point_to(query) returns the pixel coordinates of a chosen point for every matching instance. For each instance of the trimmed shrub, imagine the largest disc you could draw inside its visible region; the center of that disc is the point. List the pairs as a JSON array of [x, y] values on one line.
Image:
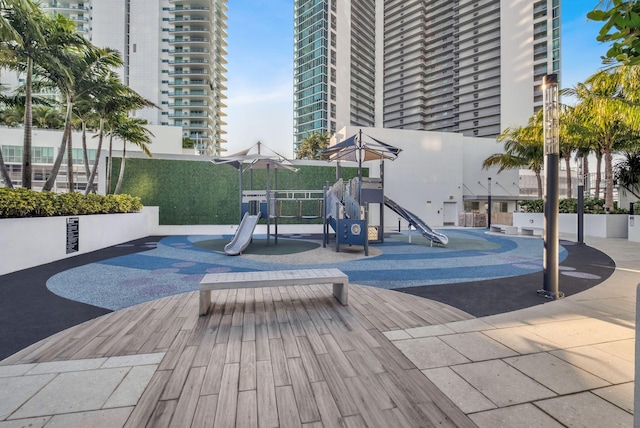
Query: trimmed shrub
[[569, 206], [19, 202]]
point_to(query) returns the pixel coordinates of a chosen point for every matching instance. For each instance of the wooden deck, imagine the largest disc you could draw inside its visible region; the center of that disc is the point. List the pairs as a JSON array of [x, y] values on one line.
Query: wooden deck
[[270, 357]]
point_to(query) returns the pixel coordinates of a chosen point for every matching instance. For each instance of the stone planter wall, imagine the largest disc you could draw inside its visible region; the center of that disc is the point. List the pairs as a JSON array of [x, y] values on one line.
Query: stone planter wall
[[597, 225], [28, 242]]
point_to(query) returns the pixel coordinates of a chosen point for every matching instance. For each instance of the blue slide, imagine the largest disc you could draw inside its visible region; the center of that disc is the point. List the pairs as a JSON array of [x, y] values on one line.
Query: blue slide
[[243, 235], [416, 222]]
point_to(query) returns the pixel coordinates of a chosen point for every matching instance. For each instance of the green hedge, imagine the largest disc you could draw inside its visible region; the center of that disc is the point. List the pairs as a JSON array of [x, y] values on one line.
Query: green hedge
[[20, 202], [569, 206], [199, 192]]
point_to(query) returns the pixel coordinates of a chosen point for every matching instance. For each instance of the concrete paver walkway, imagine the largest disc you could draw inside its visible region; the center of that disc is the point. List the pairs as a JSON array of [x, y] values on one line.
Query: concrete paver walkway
[[565, 363]]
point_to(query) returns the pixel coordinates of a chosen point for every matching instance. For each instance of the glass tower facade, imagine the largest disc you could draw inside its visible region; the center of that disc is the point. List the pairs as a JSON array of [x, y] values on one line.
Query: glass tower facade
[[311, 63]]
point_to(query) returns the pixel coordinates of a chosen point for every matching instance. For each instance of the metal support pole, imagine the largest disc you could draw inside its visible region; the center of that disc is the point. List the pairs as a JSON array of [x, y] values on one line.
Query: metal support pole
[[489, 204], [268, 197], [551, 203], [581, 159]]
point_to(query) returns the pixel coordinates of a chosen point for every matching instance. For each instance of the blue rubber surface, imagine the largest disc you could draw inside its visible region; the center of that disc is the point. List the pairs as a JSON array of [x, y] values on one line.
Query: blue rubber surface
[[177, 266]]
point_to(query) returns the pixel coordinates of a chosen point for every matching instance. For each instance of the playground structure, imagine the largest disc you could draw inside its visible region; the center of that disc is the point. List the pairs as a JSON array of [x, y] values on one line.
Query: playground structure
[[343, 207]]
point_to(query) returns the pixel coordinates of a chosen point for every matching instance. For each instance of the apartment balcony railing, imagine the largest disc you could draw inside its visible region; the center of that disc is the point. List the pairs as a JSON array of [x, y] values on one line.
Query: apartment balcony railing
[[191, 51], [187, 72], [189, 30], [187, 8], [190, 83], [198, 94], [189, 18], [189, 61], [187, 115], [59, 6], [190, 40], [190, 104]]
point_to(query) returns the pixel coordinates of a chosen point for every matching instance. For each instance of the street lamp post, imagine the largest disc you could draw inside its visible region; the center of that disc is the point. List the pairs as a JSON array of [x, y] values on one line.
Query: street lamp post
[[552, 155], [489, 203], [580, 159]]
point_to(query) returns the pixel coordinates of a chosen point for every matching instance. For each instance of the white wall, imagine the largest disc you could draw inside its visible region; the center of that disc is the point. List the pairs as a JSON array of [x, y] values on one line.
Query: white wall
[[165, 139], [34, 241], [598, 225], [434, 168], [516, 62]]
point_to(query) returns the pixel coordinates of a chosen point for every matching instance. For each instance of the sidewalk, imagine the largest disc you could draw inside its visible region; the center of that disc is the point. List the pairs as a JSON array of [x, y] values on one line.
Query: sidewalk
[[291, 356], [566, 363]]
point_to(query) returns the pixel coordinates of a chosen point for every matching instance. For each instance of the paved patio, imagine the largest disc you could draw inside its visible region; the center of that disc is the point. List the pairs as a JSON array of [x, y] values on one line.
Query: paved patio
[[294, 356]]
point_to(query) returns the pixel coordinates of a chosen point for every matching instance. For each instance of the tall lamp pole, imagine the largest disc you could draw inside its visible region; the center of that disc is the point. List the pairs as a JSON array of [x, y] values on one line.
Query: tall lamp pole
[[489, 203], [580, 159], [552, 155]]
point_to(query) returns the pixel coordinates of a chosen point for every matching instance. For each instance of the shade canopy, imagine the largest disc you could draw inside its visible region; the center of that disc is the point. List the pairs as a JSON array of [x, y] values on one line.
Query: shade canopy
[[257, 156], [361, 147]]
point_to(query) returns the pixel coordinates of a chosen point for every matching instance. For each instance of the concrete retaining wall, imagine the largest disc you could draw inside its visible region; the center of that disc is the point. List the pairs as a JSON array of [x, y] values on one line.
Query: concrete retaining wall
[[597, 225]]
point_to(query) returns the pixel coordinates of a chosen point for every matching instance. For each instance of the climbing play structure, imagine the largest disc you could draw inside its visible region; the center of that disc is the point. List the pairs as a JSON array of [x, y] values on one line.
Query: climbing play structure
[[345, 207]]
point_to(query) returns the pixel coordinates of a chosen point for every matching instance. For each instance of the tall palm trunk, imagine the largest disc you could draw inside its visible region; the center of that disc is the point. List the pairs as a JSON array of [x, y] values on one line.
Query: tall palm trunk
[[585, 172], [70, 153], [567, 163], [5, 172], [85, 152], [109, 164], [598, 173], [28, 125], [608, 178], [121, 174], [539, 181], [96, 161], [48, 185], [70, 162]]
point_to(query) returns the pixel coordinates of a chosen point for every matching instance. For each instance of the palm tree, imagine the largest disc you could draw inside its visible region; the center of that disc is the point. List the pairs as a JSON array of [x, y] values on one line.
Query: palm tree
[[111, 98], [312, 145], [25, 26], [608, 104], [75, 79], [627, 172], [131, 130], [7, 30], [523, 148], [131, 100], [83, 111], [47, 117]]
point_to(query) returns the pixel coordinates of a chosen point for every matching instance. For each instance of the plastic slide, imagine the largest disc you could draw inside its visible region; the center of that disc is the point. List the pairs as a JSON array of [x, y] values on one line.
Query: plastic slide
[[416, 222], [243, 235]]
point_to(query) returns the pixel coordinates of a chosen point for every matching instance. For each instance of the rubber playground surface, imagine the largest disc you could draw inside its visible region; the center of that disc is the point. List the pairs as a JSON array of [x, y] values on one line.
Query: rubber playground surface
[[478, 272]]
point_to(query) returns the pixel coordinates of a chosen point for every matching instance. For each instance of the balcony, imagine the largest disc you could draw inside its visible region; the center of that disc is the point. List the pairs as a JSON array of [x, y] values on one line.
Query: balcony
[[189, 19], [189, 61], [191, 51], [178, 9], [189, 30], [190, 94], [190, 104], [188, 72], [189, 40], [190, 83], [187, 115]]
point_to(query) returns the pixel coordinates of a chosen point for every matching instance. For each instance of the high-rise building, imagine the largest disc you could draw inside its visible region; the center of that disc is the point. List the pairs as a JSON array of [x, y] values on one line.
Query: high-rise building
[[468, 66], [174, 53]]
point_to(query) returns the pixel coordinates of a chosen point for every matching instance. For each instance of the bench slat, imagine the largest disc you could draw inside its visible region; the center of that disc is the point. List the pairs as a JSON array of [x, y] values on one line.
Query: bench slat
[[257, 279]]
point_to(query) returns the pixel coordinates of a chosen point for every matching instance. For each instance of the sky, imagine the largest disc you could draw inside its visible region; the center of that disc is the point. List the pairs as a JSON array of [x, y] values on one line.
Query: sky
[[260, 67]]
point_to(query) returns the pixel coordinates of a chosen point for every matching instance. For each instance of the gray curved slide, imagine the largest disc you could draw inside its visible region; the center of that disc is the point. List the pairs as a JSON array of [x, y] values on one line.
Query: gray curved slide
[[243, 235], [416, 222]]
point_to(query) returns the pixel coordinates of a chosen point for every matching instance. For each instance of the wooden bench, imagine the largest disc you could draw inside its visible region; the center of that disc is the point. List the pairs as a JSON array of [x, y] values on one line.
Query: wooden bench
[[502, 228], [222, 281], [533, 231]]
